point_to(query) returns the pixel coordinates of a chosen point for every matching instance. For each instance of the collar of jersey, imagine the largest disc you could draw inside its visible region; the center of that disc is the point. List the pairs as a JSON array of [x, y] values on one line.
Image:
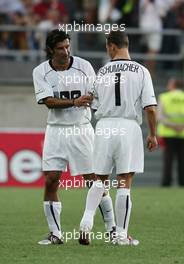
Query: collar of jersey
[[122, 60], [70, 65]]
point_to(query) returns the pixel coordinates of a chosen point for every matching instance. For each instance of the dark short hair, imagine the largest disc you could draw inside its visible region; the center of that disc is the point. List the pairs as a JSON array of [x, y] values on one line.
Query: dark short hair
[[53, 38], [119, 38]]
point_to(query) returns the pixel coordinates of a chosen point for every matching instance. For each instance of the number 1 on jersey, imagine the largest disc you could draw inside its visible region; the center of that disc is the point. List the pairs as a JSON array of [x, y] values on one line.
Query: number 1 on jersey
[[117, 89]]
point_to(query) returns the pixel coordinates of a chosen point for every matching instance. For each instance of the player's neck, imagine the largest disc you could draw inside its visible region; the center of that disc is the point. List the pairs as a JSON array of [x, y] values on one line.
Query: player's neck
[[122, 54], [58, 66]]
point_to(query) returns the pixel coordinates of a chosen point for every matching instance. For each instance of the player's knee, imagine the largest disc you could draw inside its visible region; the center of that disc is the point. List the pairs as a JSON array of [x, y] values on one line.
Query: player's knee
[[51, 181], [125, 180], [89, 177]]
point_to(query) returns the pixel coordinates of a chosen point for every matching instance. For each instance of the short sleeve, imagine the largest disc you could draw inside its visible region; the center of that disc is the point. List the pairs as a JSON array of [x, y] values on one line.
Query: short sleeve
[[42, 88], [148, 95]]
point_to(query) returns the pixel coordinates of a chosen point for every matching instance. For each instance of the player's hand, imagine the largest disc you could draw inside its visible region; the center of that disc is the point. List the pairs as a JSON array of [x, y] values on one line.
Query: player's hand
[[152, 143], [84, 100], [91, 95]]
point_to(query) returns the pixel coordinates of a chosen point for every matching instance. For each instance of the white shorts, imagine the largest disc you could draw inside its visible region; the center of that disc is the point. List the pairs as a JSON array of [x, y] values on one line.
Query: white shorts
[[71, 145], [119, 144], [154, 41]]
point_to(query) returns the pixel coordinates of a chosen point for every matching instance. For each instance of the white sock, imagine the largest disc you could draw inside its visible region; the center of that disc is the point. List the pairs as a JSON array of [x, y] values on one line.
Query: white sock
[[52, 212], [93, 199], [106, 208], [123, 207]]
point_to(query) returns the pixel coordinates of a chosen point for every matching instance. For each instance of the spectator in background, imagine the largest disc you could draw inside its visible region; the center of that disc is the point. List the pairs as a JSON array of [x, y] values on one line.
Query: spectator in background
[[73, 9], [180, 15], [10, 10], [171, 129], [170, 44], [53, 19], [4, 35], [150, 20], [42, 8], [108, 11], [31, 18], [119, 11], [90, 11], [9, 6], [4, 40], [89, 40], [129, 16], [130, 12], [19, 38]]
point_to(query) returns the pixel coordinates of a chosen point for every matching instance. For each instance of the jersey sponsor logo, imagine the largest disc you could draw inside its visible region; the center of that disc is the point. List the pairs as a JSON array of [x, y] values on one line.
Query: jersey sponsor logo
[[68, 94]]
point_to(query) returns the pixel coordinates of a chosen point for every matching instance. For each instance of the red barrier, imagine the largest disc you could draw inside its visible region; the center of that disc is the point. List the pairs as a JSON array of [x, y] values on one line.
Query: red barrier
[[20, 161]]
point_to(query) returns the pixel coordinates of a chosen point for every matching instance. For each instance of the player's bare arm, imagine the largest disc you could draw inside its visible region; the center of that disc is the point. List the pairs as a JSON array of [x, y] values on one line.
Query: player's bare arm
[[52, 102], [152, 143]]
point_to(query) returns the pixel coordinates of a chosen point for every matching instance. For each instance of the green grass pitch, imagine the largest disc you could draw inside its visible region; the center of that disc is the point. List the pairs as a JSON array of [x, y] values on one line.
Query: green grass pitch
[[157, 221]]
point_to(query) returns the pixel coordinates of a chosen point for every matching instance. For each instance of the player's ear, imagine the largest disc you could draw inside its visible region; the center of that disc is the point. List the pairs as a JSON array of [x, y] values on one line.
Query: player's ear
[[113, 47], [50, 50]]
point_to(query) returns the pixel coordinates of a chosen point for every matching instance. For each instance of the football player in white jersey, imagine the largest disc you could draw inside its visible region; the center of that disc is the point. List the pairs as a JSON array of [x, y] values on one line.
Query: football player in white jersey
[[62, 84], [122, 89]]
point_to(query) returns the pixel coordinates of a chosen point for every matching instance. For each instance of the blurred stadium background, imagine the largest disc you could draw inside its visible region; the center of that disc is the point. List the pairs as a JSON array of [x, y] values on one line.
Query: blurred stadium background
[[23, 27]]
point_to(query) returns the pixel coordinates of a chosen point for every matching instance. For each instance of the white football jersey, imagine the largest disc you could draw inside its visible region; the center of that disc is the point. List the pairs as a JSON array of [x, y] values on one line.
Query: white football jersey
[[76, 81], [122, 88]]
